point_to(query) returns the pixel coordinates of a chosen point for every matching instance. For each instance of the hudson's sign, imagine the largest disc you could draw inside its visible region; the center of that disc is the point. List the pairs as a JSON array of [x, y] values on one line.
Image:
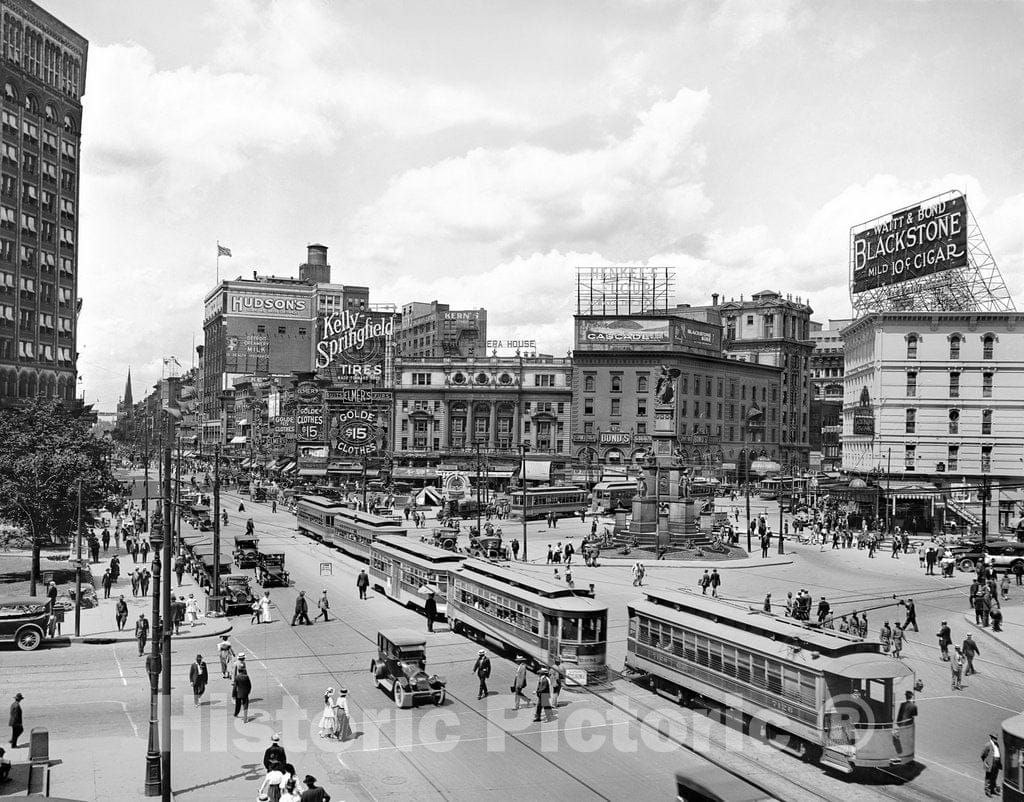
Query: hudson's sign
[[259, 305]]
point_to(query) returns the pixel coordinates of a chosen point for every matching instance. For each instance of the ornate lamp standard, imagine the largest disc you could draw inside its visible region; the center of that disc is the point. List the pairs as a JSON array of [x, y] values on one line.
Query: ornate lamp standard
[[154, 780]]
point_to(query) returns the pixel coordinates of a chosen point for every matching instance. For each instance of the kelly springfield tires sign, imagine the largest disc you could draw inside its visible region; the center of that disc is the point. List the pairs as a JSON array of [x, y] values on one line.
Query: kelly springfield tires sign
[[911, 243]]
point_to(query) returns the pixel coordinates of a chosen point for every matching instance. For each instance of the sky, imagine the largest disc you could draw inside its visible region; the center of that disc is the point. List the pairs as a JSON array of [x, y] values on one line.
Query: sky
[[477, 153]]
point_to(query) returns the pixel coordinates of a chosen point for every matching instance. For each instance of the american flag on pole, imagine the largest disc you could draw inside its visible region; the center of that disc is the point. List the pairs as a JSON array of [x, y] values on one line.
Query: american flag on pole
[[222, 251]]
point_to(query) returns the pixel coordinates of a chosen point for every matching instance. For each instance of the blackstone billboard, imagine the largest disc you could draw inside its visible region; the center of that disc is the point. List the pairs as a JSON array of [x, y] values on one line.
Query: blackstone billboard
[[910, 243]]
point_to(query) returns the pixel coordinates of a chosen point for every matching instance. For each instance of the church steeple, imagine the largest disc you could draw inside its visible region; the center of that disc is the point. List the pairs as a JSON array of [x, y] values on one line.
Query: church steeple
[[127, 401]]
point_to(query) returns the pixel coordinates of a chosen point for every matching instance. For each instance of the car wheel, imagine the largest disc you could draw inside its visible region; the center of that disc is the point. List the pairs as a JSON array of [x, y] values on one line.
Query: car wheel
[[399, 694], [966, 564], [439, 697], [29, 639]]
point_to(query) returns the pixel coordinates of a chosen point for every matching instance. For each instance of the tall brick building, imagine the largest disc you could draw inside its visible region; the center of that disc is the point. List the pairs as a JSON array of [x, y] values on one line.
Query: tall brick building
[[43, 75]]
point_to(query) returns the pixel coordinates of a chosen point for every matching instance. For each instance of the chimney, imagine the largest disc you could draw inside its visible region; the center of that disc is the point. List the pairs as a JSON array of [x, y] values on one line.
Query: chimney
[[714, 299], [315, 270]]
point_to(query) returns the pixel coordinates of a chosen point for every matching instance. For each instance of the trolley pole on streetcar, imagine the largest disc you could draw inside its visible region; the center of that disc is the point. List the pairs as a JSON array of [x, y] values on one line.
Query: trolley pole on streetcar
[[522, 475]]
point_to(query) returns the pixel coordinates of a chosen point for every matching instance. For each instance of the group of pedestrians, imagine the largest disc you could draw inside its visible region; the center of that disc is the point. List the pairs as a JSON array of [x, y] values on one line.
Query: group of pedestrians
[[281, 782], [550, 682]]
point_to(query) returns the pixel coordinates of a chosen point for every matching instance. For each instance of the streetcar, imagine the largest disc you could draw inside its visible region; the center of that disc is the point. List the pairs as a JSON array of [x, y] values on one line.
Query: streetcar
[[562, 501], [354, 531], [404, 569], [533, 617], [314, 517], [1013, 759], [607, 496], [813, 691], [715, 783]]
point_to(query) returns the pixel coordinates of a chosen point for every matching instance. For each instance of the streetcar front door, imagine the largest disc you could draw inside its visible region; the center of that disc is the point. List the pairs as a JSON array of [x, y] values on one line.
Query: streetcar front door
[[552, 636], [396, 581]]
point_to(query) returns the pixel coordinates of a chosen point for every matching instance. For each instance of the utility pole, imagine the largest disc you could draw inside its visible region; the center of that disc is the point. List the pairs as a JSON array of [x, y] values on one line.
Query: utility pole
[[215, 597], [78, 566], [165, 696], [522, 476], [477, 446], [984, 516], [145, 451]]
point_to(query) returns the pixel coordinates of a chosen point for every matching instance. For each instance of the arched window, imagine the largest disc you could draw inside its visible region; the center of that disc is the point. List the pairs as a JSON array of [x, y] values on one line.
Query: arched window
[[616, 384], [988, 343], [31, 105], [954, 421], [50, 112], [641, 384], [912, 346], [613, 456], [69, 123], [10, 93], [954, 346], [588, 384]]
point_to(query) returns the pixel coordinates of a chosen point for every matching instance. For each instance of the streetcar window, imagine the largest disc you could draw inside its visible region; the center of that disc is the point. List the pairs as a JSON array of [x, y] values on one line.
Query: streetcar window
[[1012, 768], [703, 658], [742, 666], [715, 653], [690, 647], [757, 676], [632, 626], [591, 630], [570, 629], [729, 660], [774, 677]]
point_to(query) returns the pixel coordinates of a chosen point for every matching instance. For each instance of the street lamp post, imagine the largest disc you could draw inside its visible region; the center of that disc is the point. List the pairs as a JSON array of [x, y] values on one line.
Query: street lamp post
[[523, 449], [476, 445], [78, 565], [154, 780]]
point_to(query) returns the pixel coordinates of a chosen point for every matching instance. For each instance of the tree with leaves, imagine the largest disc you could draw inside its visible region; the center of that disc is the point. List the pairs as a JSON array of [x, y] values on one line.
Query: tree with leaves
[[47, 452]]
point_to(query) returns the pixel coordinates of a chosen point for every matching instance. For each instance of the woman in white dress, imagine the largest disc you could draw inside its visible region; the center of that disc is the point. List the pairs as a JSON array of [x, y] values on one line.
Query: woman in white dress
[[328, 721], [192, 609], [265, 607], [343, 726]]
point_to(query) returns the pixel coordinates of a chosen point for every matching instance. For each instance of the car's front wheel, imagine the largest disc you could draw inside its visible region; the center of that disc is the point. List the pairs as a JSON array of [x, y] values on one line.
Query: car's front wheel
[[966, 564], [29, 639], [400, 695]]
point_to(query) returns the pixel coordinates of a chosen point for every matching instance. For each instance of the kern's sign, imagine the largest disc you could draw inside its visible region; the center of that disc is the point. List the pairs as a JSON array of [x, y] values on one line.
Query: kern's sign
[[911, 243]]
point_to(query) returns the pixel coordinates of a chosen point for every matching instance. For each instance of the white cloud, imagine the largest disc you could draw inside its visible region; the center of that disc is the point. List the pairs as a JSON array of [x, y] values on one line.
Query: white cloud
[[748, 22], [529, 197]]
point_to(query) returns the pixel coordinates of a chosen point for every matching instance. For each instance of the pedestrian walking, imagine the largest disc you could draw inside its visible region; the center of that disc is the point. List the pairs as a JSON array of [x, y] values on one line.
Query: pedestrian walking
[[328, 721], [273, 508], [704, 582], [551, 555], [265, 604], [198, 677], [885, 637], [257, 612], [911, 620], [515, 548], [568, 576], [519, 683], [945, 641], [105, 538], [907, 711], [144, 579], [241, 687], [106, 582], [362, 583], [992, 759], [145, 550], [301, 613], [142, 633], [997, 619], [179, 568], [192, 609], [544, 696], [134, 579], [270, 788], [897, 641], [768, 602], [1004, 586], [324, 606], [313, 792], [823, 609], [226, 653], [970, 651], [638, 574], [557, 681], [15, 720], [789, 605], [178, 607], [115, 569], [482, 669], [121, 613], [716, 581], [430, 609], [274, 753], [342, 720]]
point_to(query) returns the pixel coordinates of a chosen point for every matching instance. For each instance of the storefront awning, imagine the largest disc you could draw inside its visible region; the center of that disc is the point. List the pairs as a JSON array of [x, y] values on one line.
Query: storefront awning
[[238, 439], [312, 472], [288, 467], [539, 471]]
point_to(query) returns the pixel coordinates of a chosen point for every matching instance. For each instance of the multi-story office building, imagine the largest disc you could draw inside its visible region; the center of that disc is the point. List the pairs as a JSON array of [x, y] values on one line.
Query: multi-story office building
[[447, 409], [435, 331], [934, 400], [724, 411], [770, 329], [43, 75], [826, 407]]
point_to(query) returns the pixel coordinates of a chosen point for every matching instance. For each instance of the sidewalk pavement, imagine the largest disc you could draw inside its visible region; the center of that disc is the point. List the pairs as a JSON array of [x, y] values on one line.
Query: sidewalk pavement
[[98, 625]]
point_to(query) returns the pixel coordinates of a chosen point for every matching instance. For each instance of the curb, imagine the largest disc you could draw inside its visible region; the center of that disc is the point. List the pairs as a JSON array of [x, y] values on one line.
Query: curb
[[103, 640], [969, 618]]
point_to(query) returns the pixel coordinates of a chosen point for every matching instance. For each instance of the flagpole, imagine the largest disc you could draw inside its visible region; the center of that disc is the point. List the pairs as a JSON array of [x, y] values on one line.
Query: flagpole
[[218, 261]]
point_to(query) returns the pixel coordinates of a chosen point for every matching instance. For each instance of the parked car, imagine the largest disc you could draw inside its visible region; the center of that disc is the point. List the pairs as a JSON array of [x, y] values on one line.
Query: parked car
[[246, 553], [270, 570], [1008, 557], [968, 553], [236, 590], [400, 669], [23, 621]]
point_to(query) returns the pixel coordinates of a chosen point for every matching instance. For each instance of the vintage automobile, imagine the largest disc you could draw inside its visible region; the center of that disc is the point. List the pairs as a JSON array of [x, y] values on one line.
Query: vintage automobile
[[23, 621], [270, 571], [259, 493], [246, 553], [487, 547], [445, 538], [236, 590], [968, 553], [400, 668]]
